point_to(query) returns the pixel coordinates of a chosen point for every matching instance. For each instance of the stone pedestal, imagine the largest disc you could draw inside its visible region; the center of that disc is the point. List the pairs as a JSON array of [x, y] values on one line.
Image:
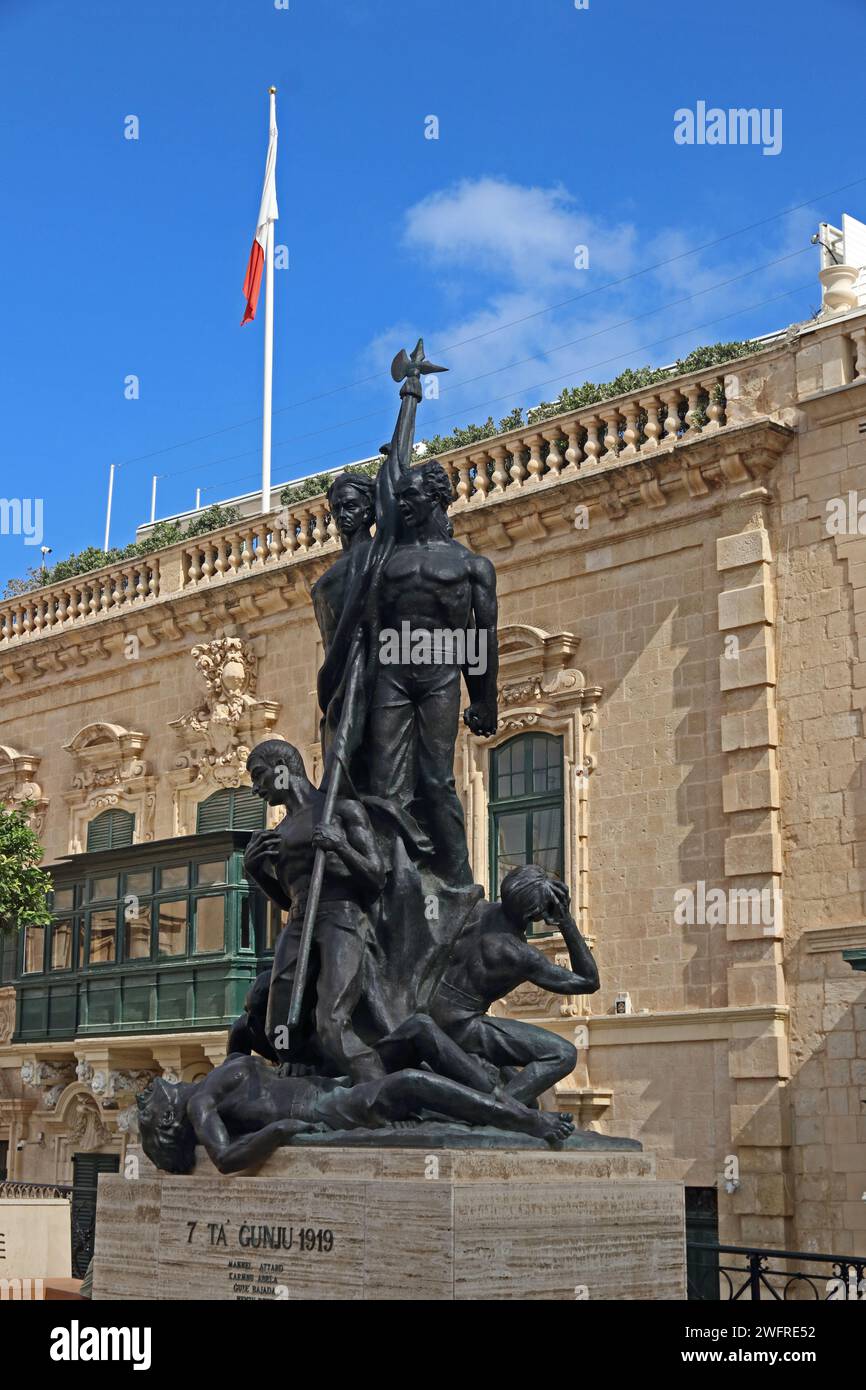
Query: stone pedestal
[[341, 1223]]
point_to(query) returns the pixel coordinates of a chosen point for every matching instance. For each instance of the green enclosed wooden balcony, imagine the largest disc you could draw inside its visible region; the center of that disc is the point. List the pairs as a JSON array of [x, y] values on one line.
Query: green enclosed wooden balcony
[[161, 937]]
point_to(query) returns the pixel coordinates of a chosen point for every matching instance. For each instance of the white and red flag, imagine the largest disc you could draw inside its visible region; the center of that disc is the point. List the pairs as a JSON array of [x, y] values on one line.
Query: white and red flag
[[268, 214]]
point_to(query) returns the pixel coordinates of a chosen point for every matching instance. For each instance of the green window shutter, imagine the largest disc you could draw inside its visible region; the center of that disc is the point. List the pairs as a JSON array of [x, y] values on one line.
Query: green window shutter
[[214, 813], [235, 808], [111, 830], [248, 810]]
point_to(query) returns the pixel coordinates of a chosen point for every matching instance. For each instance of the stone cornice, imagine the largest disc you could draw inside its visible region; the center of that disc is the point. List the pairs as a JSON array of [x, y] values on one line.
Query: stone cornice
[[848, 937], [685, 1025], [699, 470]]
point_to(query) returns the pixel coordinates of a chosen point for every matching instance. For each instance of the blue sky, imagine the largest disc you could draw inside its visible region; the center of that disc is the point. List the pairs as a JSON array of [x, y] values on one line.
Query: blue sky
[[556, 129]]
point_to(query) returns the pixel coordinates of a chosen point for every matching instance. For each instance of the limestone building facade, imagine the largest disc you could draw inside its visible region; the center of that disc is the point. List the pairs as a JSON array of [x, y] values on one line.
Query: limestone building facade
[[682, 581]]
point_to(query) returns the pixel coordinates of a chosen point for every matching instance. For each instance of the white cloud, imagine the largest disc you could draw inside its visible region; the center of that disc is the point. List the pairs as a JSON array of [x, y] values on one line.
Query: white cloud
[[527, 234], [504, 252]]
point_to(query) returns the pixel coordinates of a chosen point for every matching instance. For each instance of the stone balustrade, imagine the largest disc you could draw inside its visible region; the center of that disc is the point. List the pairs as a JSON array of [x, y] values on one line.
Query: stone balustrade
[[623, 428], [638, 426], [116, 588]]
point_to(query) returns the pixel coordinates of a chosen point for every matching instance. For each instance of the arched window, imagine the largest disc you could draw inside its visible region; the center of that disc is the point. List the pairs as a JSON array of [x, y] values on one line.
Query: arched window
[[526, 806], [111, 830], [234, 808]]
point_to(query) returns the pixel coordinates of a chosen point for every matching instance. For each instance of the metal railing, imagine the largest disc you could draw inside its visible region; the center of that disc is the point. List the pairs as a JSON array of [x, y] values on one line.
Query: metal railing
[[10, 1190], [755, 1275]]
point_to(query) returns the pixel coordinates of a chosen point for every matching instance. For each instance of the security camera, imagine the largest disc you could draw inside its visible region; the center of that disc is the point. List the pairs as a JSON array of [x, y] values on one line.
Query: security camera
[[19, 1146]]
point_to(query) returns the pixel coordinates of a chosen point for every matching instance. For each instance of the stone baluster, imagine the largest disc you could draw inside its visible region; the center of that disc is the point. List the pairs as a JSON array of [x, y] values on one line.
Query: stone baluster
[[592, 447], [116, 582], [498, 453], [573, 453], [130, 588], [194, 568], [333, 533], [464, 482], [94, 602], [630, 434], [60, 611], [288, 536], [451, 471], [41, 615], [320, 530], [610, 416], [858, 338], [233, 553], [536, 462], [651, 406], [304, 531], [262, 553], [248, 552], [482, 476], [5, 624], [28, 619], [274, 539], [715, 389], [207, 568], [83, 603], [671, 399], [693, 396], [554, 454], [153, 577], [141, 581], [517, 470]]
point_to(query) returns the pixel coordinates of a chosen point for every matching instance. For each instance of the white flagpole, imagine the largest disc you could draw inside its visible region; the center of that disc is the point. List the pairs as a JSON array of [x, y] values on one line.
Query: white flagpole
[[153, 499], [269, 340], [108, 508]]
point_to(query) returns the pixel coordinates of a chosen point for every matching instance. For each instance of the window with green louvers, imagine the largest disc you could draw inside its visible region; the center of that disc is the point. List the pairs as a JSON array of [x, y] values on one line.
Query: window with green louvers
[[111, 830], [234, 808]]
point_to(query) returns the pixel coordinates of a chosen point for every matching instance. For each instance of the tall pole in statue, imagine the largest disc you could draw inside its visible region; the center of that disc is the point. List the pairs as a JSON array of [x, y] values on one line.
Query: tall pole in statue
[[267, 404]]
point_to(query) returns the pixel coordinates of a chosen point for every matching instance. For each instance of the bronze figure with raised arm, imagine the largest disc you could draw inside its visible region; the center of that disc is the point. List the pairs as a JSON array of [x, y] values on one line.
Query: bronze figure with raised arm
[[491, 958]]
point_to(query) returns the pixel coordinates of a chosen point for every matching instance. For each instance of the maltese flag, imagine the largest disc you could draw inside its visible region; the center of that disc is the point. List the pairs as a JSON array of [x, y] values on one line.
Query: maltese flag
[[268, 214]]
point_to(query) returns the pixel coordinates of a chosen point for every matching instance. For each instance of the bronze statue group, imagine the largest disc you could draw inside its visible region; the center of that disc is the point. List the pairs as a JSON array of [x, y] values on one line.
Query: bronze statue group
[[375, 1012]]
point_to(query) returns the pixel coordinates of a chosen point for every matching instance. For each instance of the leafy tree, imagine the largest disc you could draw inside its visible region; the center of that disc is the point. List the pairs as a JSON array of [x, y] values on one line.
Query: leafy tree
[[23, 885]]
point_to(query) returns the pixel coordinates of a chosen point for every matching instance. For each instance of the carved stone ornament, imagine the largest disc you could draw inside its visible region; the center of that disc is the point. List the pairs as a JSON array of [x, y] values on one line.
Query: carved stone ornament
[[110, 773], [18, 785], [84, 1125], [106, 755], [219, 734]]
